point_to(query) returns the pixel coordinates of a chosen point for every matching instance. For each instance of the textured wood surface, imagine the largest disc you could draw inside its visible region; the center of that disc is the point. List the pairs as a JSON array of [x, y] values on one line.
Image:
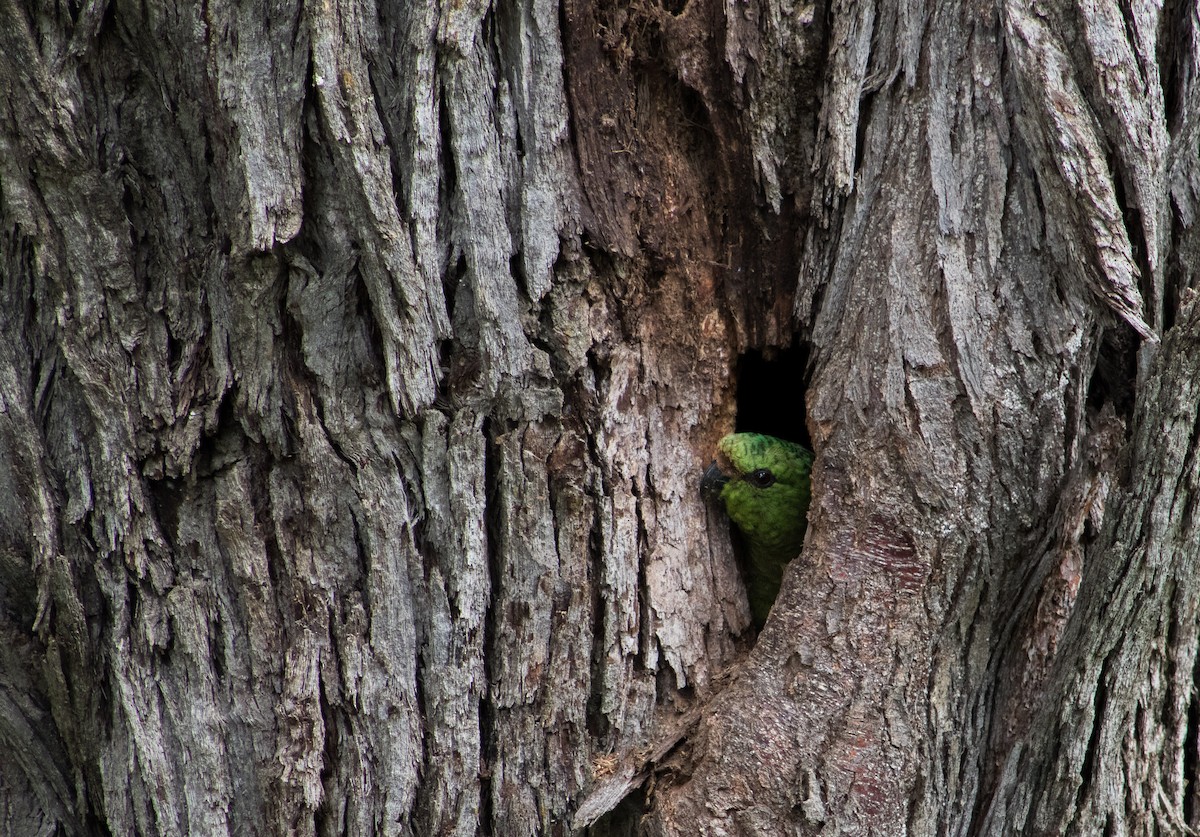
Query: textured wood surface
[[359, 361]]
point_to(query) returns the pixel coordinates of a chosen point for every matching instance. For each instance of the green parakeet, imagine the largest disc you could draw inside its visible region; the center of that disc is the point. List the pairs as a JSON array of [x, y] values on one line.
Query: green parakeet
[[763, 482]]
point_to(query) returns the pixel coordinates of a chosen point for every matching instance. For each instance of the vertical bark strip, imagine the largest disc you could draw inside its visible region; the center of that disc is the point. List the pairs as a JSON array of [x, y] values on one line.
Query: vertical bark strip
[[1113, 748]]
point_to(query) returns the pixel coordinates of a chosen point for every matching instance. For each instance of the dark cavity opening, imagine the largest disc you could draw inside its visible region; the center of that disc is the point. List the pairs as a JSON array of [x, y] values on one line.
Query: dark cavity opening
[[1115, 376], [1191, 753], [770, 393]]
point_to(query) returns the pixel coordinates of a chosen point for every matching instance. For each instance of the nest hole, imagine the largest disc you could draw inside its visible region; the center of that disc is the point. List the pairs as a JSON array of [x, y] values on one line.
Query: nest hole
[[770, 393]]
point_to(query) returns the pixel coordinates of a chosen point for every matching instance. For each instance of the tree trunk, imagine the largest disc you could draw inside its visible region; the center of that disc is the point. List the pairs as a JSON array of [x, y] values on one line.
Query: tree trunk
[[359, 363]]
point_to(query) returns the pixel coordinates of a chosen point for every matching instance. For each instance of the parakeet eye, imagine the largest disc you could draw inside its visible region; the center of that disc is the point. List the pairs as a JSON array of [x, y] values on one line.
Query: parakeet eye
[[762, 478]]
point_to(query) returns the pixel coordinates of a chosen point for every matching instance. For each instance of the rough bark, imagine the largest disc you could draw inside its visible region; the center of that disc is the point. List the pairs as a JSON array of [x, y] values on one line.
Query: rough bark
[[1114, 748], [969, 236], [358, 363], [352, 485]]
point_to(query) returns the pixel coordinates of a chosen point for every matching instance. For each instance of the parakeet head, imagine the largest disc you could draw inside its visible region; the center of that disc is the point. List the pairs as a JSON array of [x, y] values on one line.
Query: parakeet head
[[763, 482]]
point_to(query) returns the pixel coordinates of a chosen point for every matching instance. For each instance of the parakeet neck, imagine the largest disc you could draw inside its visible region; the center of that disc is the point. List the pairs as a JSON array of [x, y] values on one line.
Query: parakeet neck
[[768, 560]]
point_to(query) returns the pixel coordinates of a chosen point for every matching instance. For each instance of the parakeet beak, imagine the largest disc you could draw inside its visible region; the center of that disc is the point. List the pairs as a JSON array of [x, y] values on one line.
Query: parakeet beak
[[713, 480]]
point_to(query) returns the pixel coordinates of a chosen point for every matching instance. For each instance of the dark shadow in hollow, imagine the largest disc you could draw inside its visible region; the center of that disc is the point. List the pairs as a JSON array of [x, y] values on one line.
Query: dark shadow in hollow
[[770, 393]]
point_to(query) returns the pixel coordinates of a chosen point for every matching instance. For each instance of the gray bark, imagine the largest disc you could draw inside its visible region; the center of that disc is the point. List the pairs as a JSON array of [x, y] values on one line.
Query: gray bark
[[970, 242], [1114, 748], [358, 363]]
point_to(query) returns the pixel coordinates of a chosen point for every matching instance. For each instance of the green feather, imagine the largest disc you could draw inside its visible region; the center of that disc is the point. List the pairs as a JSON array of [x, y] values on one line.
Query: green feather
[[764, 486]]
